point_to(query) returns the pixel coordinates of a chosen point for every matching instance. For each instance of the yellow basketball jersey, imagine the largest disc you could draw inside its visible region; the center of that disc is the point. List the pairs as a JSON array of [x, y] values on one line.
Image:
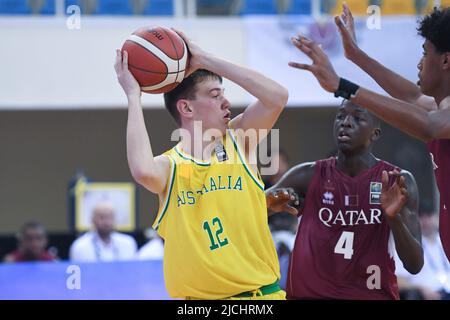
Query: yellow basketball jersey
[[214, 223]]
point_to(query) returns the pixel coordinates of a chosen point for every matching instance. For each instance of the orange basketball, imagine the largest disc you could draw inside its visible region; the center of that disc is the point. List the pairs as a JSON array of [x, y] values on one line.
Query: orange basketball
[[157, 58]]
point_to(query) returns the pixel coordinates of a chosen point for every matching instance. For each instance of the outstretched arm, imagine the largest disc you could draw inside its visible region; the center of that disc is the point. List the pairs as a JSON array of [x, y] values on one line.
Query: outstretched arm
[[408, 117], [400, 203], [149, 171], [394, 84], [286, 192]]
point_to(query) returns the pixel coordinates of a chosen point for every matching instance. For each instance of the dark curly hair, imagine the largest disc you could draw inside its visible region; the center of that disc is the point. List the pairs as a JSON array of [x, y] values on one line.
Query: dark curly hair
[[435, 27], [186, 90]]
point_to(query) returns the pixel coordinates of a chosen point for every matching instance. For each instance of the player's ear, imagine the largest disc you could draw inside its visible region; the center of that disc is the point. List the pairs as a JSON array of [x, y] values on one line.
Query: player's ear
[[376, 134], [184, 108], [446, 61]]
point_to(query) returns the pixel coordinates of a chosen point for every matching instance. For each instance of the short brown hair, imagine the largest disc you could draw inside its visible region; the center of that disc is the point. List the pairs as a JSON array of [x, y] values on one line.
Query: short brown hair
[[187, 90]]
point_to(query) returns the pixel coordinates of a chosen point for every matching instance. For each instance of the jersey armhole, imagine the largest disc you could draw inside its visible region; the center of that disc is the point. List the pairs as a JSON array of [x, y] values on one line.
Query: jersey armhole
[[255, 177], [167, 193]]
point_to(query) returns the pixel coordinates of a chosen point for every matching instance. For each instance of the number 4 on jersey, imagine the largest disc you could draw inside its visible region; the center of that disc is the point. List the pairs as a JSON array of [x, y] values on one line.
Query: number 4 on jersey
[[345, 245]]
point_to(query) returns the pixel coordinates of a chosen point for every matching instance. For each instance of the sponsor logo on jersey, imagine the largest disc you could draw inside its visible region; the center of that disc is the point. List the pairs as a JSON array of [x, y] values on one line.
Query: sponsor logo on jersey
[[375, 192], [221, 154], [328, 198]]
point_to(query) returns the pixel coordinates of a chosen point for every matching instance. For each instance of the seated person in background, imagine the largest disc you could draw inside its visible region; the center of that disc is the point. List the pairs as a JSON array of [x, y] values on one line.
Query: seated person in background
[[433, 282], [283, 227], [32, 240], [103, 243], [278, 160], [153, 249]]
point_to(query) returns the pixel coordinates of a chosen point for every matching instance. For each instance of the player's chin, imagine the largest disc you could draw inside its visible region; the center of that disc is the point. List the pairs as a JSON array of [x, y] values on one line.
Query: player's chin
[[424, 88], [344, 145]]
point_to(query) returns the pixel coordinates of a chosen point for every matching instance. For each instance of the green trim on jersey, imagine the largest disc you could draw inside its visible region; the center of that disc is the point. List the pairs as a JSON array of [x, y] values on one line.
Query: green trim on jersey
[[258, 183], [166, 204], [190, 158]]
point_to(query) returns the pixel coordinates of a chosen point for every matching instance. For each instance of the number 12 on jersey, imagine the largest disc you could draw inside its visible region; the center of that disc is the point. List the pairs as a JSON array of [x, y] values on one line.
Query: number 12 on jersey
[[216, 241], [345, 245]]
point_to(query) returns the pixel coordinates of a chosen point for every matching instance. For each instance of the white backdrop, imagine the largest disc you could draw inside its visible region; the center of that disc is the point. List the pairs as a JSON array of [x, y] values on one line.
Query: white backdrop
[[396, 45], [44, 65]]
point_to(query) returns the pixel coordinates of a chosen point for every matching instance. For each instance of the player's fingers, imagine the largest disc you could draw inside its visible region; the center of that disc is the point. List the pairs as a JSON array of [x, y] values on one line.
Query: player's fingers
[[394, 172], [182, 35], [341, 26], [349, 12], [345, 9], [118, 63], [306, 47], [294, 196], [290, 210], [402, 181], [301, 66], [384, 180], [125, 60], [404, 192]]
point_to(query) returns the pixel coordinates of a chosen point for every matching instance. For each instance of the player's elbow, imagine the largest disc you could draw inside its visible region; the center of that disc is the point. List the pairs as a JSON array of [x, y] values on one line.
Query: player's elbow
[[415, 269], [147, 179], [283, 97], [416, 266]]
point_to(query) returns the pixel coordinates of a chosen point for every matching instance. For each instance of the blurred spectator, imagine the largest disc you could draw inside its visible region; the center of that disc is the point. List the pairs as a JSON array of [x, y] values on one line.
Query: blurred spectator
[[281, 161], [433, 281], [153, 249], [32, 242], [103, 243], [283, 225]]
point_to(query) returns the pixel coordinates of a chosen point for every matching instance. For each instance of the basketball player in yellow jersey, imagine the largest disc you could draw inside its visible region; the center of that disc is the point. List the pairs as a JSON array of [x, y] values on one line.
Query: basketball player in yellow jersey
[[212, 215]]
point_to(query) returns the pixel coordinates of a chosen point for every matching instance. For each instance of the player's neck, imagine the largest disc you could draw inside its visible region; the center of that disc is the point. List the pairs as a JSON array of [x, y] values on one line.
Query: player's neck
[[198, 148], [355, 164], [442, 97]]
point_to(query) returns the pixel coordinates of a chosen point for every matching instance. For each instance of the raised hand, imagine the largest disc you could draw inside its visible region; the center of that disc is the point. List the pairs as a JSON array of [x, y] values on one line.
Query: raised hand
[[126, 79], [393, 198], [321, 67], [346, 27], [196, 53], [280, 200]]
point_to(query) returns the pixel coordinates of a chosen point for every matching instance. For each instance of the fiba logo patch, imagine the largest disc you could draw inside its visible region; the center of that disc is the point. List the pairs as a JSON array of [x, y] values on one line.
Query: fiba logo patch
[[220, 152], [328, 198], [375, 192]]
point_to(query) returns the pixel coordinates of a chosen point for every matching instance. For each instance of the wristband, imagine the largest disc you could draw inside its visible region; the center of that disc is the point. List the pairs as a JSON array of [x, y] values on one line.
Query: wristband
[[346, 89]]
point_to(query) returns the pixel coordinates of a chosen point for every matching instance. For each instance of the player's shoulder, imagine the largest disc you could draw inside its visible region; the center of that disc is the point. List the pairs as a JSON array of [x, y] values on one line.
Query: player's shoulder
[[303, 167], [390, 167]]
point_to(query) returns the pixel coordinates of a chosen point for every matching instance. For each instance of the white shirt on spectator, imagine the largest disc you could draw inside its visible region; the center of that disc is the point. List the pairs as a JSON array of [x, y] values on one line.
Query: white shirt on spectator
[[152, 250], [89, 248], [435, 273]]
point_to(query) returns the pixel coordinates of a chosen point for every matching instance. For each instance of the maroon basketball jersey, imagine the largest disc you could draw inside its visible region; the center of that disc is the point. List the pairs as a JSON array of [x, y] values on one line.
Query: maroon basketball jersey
[[344, 248], [440, 155]]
